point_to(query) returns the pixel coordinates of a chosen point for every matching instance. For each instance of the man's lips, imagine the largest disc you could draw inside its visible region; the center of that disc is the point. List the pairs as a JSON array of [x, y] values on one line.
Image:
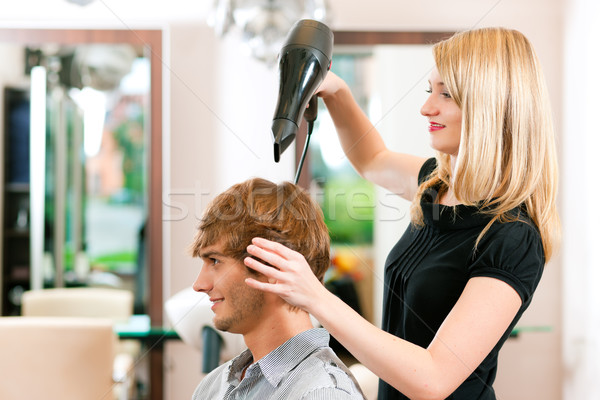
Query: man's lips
[[434, 126], [215, 302]]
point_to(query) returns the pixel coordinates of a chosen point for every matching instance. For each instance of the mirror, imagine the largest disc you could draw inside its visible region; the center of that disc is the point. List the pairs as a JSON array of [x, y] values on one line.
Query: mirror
[[387, 73], [82, 173]]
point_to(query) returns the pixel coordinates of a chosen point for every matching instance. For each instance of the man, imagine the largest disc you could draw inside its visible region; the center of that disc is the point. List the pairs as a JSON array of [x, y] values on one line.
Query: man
[[286, 358]]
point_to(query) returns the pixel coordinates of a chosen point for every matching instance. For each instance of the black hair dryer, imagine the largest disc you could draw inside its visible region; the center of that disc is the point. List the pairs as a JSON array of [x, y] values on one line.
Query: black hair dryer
[[304, 61]]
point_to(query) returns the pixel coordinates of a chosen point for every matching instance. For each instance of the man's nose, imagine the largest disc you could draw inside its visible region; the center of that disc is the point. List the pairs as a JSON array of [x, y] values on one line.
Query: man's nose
[[203, 282]]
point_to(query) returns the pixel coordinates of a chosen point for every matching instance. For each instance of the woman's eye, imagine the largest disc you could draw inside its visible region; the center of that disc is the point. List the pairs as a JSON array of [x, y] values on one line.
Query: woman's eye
[[428, 91], [446, 95]]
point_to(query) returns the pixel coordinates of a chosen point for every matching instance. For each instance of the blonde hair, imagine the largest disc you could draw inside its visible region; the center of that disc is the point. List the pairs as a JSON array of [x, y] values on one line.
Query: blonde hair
[[507, 154]]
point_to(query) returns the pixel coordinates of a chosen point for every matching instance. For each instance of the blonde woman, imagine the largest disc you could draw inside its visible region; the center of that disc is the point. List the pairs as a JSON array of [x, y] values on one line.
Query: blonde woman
[[484, 222]]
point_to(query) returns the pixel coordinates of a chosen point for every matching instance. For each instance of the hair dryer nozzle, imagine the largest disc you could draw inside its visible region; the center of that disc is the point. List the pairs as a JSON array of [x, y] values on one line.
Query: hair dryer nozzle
[[284, 132]]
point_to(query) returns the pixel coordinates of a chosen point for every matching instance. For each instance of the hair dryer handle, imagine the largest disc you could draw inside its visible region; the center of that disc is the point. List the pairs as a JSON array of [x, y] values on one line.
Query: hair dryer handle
[[310, 115]]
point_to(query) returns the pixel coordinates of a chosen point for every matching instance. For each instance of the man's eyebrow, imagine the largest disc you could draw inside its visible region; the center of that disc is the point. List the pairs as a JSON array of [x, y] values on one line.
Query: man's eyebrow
[[211, 253]]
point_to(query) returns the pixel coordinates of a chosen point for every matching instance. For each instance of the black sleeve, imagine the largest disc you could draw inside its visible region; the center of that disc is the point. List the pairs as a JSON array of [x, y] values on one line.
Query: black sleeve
[[428, 167], [512, 252]]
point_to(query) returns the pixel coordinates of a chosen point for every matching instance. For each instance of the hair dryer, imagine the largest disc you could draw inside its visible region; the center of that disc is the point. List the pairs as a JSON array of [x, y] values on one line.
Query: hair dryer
[[304, 61]]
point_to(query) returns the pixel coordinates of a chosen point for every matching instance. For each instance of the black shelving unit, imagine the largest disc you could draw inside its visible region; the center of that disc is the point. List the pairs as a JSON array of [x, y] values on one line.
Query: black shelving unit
[[15, 229]]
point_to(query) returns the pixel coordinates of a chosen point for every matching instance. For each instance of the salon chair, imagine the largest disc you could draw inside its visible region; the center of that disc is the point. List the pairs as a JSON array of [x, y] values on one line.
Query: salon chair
[[56, 358], [114, 305]]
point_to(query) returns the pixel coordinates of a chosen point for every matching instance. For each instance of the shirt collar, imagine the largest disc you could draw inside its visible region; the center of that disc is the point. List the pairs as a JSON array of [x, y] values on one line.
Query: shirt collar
[[279, 362], [234, 372]]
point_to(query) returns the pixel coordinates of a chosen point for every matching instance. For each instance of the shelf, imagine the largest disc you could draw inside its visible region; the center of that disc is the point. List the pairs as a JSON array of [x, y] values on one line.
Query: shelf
[[19, 273], [517, 330], [17, 282], [17, 188], [16, 233]]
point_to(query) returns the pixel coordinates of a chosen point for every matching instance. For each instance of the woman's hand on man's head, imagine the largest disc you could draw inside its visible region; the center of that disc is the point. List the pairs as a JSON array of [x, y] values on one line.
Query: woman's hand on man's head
[[292, 278]]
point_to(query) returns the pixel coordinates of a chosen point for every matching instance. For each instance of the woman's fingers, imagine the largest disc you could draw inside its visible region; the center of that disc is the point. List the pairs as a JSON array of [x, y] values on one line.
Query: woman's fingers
[[274, 253], [274, 247], [259, 267], [288, 273], [266, 287], [266, 256]]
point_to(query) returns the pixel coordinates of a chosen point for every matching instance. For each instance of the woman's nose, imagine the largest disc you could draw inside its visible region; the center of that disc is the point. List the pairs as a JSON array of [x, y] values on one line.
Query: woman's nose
[[429, 108]]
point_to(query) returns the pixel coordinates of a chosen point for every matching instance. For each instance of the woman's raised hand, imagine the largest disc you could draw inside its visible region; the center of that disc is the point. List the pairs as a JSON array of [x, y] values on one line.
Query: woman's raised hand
[[330, 85], [292, 278]]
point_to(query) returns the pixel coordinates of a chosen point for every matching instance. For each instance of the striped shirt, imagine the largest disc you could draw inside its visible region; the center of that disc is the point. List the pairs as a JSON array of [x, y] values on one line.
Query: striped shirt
[[303, 368]]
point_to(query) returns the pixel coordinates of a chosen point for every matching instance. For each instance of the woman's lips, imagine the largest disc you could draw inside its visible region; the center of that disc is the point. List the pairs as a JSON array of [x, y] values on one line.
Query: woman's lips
[[434, 126]]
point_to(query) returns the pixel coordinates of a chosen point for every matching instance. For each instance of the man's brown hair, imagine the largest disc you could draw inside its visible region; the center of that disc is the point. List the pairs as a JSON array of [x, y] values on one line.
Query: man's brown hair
[[283, 213]]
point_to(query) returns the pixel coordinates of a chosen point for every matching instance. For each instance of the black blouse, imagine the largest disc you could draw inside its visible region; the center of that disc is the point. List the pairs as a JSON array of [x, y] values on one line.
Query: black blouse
[[427, 270]]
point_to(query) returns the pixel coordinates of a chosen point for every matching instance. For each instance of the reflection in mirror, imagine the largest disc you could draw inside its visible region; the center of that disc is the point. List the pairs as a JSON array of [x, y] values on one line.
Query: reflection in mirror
[[87, 183], [388, 82]]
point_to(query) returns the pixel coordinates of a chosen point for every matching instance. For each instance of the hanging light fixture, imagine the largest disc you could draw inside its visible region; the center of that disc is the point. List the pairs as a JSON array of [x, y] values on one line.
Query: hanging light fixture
[[264, 24], [80, 2]]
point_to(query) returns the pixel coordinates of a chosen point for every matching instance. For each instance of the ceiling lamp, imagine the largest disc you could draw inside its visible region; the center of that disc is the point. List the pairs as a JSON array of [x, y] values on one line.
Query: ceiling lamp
[[264, 24], [80, 2]]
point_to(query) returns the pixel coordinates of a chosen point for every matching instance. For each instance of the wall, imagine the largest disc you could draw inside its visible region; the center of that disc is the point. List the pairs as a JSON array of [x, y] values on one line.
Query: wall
[[581, 301]]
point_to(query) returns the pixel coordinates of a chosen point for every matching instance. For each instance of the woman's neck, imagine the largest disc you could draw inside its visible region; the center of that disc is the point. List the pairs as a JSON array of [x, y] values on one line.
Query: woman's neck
[[448, 198]]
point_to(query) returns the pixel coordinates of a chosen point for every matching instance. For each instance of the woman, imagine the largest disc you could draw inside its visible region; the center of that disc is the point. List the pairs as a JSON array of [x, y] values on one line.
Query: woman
[[483, 222]]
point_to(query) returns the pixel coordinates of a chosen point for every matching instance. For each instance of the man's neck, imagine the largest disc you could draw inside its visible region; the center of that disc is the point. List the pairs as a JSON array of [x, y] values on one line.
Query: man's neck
[[276, 330]]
